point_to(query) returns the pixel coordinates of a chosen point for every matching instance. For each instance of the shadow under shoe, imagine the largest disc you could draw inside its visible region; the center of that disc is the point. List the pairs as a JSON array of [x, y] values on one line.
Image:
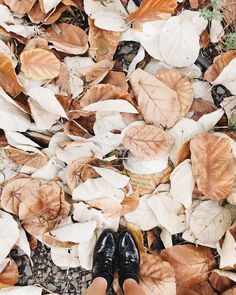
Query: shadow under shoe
[[128, 258], [104, 257]]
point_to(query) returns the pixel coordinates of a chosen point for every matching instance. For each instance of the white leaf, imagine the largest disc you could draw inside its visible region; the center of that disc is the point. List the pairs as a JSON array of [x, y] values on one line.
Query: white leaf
[[25, 290], [74, 232], [111, 105], [49, 5], [228, 77], [23, 243], [108, 121], [42, 118], [196, 19], [139, 216], [137, 59], [168, 212], [22, 30], [9, 234], [3, 264], [179, 36], [5, 15], [209, 228], [47, 100], [110, 21], [11, 118], [224, 273], [208, 121], [28, 83], [135, 165], [182, 176], [16, 138], [85, 250], [216, 31], [96, 188], [166, 238], [92, 7], [49, 171], [190, 237], [106, 142], [82, 213], [227, 250], [65, 257], [202, 90], [115, 178]]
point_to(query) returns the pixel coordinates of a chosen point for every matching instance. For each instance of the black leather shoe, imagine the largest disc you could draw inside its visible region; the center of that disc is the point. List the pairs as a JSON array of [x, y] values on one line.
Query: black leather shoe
[[104, 257], [128, 258]]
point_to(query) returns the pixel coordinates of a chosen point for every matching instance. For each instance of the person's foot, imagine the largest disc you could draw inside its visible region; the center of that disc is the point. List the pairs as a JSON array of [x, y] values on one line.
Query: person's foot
[[104, 257], [128, 258]]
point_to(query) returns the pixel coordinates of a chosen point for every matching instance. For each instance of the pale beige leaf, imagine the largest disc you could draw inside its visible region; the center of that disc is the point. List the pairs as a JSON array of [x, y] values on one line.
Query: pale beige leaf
[[213, 165], [9, 234], [181, 85], [192, 264], [158, 103], [39, 64], [29, 290], [48, 5], [157, 276], [20, 7], [65, 257], [68, 38], [10, 275], [110, 206], [148, 142]]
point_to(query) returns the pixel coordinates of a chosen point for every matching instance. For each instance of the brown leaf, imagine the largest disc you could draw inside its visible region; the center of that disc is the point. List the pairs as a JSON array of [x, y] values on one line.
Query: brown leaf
[[52, 241], [3, 139], [201, 107], [229, 10], [96, 73], [191, 263], [12, 194], [181, 85], [219, 64], [231, 291], [10, 275], [220, 283], [37, 43], [109, 206], [39, 64], [20, 7], [148, 142], [194, 4], [183, 153], [158, 103], [68, 38], [103, 92], [203, 288], [74, 129], [204, 39], [8, 78], [213, 165], [63, 79], [31, 159], [103, 43], [117, 79], [152, 10], [129, 204], [157, 276]]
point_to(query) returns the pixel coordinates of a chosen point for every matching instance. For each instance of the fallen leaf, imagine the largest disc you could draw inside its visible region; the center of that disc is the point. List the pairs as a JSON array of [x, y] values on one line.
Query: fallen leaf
[[110, 206], [8, 78], [203, 288], [201, 107], [219, 64], [103, 92], [156, 276], [213, 165], [158, 103], [138, 236], [10, 275], [152, 10], [209, 229], [22, 290], [9, 234], [148, 142], [114, 177], [31, 157], [117, 79], [181, 85], [65, 257], [191, 264], [103, 42], [231, 291], [220, 283], [47, 5], [68, 38], [229, 10], [39, 64], [21, 7]]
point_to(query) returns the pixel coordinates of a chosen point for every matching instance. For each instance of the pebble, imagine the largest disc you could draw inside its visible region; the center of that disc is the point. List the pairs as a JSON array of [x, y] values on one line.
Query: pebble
[[28, 271], [51, 287]]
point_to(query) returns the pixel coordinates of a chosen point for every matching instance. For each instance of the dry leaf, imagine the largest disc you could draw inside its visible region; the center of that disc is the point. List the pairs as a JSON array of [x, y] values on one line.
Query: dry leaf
[[29, 290], [32, 158], [117, 79], [231, 291], [47, 5], [68, 38], [219, 64], [130, 204], [158, 103], [103, 43], [103, 92], [157, 276], [148, 142], [152, 10], [39, 64], [203, 288], [191, 264], [229, 10], [10, 275], [201, 107], [8, 78], [220, 283], [181, 85], [110, 206], [138, 236], [213, 165], [20, 7]]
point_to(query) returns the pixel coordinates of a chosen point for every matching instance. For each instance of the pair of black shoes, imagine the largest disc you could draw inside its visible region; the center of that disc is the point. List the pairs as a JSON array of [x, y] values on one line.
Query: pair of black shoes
[[122, 253]]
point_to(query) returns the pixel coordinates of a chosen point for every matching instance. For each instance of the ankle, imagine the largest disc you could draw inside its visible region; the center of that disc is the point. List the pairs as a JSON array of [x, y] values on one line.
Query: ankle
[[129, 283], [100, 282]]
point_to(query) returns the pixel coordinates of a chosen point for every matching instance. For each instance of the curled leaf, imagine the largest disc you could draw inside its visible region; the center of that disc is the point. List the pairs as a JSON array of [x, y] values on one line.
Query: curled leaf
[[10, 275]]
